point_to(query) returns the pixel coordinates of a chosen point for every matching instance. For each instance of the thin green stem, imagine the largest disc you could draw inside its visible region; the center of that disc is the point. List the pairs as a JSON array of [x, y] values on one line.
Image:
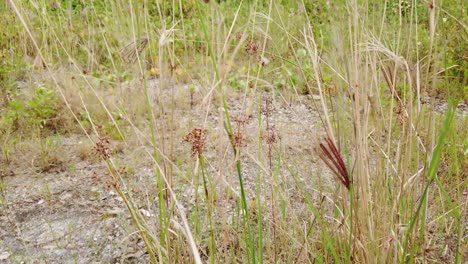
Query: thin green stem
[[209, 201], [149, 109], [431, 175], [351, 223]]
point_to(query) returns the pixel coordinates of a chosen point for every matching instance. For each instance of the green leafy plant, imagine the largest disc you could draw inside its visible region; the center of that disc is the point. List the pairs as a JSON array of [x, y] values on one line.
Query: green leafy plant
[[40, 111]]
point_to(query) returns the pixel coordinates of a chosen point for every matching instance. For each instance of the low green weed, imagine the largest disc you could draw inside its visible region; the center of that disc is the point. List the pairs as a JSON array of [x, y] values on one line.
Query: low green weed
[[40, 111]]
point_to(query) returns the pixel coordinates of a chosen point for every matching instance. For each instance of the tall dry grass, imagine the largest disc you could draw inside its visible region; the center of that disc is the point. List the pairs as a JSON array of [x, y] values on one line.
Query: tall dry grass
[[382, 145]]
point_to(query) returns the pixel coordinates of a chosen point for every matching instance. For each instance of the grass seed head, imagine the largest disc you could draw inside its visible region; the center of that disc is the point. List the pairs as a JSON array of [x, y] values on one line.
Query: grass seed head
[[330, 155]]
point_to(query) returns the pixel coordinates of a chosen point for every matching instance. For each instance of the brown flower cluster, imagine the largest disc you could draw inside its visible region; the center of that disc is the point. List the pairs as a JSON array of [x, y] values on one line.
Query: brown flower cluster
[[197, 138], [399, 110], [267, 110], [239, 137], [251, 48], [102, 148], [272, 137], [331, 90]]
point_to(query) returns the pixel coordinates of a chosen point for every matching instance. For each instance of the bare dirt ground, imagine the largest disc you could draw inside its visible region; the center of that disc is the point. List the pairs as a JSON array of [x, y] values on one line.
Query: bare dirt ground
[[69, 215]]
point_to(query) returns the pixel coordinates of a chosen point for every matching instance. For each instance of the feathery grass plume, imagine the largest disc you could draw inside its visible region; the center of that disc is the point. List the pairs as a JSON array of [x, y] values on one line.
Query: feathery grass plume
[[332, 158], [129, 52]]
